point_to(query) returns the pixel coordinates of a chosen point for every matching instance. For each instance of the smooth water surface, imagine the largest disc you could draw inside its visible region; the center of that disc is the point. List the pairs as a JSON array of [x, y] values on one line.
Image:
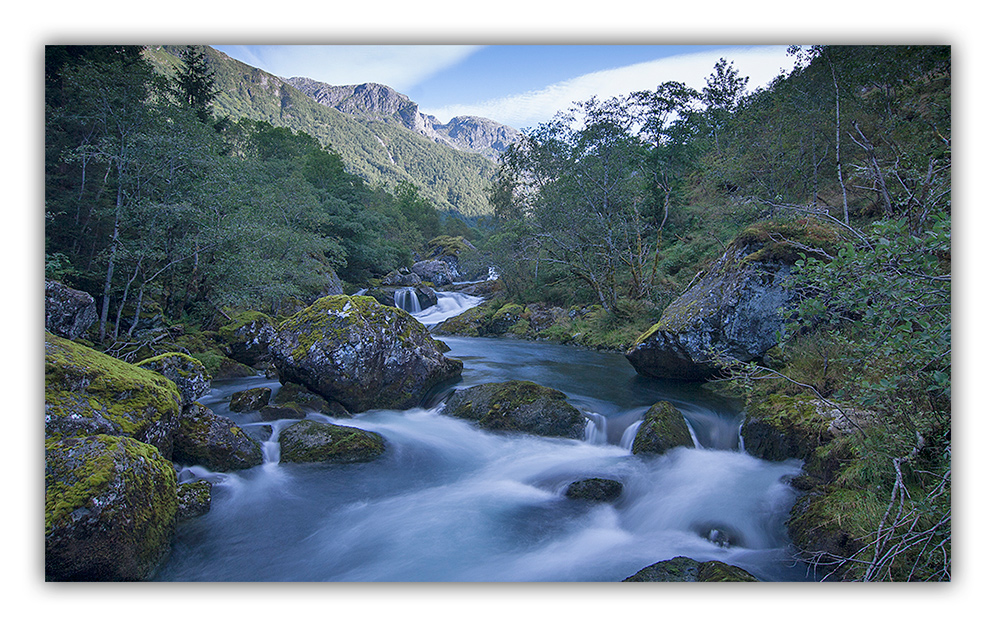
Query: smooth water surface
[[451, 502]]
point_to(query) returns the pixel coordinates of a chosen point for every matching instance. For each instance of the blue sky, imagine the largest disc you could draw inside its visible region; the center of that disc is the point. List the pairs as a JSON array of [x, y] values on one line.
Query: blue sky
[[518, 85]]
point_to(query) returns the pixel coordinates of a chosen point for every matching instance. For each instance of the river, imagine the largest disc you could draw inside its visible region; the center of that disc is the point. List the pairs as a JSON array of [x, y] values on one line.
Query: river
[[449, 502]]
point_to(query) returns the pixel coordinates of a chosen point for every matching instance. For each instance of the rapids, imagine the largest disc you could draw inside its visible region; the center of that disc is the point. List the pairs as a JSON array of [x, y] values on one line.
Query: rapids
[[451, 502]]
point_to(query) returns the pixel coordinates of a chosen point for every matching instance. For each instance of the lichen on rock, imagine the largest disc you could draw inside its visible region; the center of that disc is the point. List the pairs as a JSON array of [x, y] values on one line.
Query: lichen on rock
[[189, 375], [214, 442], [110, 508], [88, 392], [363, 355]]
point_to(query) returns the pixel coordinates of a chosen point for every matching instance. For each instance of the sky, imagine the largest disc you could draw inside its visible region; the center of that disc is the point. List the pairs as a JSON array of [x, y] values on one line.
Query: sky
[[517, 85]]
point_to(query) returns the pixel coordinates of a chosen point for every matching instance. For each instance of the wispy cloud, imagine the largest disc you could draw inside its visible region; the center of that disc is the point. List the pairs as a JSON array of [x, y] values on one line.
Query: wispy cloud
[[760, 65], [400, 67]]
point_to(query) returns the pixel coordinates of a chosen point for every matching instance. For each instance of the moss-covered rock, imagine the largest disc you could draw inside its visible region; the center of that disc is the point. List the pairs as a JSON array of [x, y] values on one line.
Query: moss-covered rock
[[300, 396], [87, 392], [518, 406], [469, 323], [354, 351], [250, 400], [311, 441], [193, 499], [505, 319], [189, 375], [732, 309], [683, 569], [110, 508], [780, 426], [230, 369], [595, 489], [663, 428], [246, 338], [214, 442]]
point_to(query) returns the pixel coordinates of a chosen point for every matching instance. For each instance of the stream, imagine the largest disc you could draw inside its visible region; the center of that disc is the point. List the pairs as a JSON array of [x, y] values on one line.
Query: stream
[[449, 502]]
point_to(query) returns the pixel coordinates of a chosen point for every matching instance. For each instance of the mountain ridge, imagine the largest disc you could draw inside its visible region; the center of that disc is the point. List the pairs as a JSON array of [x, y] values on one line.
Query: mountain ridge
[[375, 101], [382, 152]]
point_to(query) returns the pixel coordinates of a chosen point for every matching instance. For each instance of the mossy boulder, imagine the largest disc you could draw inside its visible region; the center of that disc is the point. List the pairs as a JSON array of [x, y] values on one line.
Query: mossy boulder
[[437, 272], [250, 400], [189, 375], [230, 369], [214, 442], [193, 499], [518, 406], [311, 441], [595, 489], [246, 338], [683, 569], [68, 312], [663, 428], [299, 396], [732, 310], [505, 319], [358, 353], [779, 426], [87, 393], [110, 508], [468, 323]]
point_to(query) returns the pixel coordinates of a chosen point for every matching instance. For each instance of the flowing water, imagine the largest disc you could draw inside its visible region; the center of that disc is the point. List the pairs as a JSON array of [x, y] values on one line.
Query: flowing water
[[451, 502]]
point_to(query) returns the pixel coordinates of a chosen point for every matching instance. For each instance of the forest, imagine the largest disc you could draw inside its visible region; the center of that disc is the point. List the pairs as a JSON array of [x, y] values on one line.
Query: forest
[[173, 216]]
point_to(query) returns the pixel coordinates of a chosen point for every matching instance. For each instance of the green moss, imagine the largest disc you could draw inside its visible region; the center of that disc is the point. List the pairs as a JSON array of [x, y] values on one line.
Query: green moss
[[110, 507], [87, 382], [663, 428], [785, 241]]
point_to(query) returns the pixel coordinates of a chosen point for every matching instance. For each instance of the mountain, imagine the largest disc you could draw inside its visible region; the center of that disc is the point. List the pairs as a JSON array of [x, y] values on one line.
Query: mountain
[[376, 147], [372, 101]]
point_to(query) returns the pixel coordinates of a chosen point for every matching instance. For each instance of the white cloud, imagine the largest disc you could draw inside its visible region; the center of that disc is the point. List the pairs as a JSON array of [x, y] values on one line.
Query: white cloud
[[760, 65], [400, 67]]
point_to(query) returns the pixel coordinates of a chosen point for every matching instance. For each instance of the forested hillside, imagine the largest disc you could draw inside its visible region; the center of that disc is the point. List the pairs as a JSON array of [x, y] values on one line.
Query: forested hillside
[[166, 211], [382, 153]]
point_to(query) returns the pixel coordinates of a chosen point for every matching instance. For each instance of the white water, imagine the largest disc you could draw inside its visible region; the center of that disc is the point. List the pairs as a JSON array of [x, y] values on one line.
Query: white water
[[451, 502], [408, 300], [448, 305]]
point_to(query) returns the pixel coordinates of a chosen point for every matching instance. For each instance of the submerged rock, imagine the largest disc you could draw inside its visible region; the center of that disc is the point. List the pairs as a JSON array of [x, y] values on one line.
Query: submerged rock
[[311, 441], [110, 508], [189, 375], [214, 442], [518, 406], [68, 312], [663, 428], [356, 352], [88, 392], [595, 489], [733, 310], [683, 569]]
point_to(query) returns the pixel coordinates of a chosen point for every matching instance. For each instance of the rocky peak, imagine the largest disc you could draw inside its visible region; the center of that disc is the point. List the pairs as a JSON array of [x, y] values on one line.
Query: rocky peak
[[373, 101]]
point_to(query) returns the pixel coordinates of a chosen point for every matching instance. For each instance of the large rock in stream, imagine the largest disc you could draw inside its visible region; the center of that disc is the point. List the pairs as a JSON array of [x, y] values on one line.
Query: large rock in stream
[[684, 569], [363, 355], [111, 505], [518, 406], [732, 311]]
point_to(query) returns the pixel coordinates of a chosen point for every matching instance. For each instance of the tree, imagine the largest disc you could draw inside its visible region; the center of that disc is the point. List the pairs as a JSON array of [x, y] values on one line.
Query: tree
[[195, 85]]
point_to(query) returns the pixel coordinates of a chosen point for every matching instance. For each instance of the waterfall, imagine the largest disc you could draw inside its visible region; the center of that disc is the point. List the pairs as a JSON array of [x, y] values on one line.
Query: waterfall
[[406, 299], [448, 305]]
